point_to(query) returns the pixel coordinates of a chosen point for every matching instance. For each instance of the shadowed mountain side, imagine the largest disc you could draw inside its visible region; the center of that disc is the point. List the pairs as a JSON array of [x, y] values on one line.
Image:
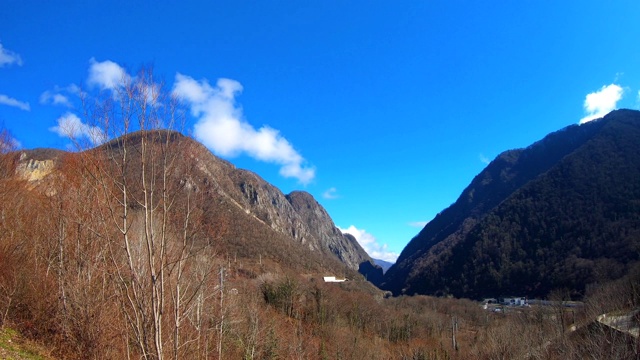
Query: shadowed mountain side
[[372, 272], [556, 214]]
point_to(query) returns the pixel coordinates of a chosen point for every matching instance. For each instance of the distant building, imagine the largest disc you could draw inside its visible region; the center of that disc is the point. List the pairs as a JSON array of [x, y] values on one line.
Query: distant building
[[333, 279], [489, 303], [514, 301]]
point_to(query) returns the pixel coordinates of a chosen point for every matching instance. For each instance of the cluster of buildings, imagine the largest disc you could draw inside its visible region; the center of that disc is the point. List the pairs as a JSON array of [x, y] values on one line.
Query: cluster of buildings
[[497, 304], [507, 301]]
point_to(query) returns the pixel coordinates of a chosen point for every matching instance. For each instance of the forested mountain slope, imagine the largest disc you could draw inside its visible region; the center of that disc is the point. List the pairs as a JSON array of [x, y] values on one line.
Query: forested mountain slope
[[562, 213]]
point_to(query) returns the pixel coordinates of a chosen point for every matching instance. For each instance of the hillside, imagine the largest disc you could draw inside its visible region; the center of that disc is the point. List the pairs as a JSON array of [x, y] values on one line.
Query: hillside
[[560, 214], [147, 247], [154, 228], [250, 217]]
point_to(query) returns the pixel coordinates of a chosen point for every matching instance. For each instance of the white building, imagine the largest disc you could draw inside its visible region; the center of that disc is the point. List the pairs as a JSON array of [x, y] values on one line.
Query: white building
[[514, 301]]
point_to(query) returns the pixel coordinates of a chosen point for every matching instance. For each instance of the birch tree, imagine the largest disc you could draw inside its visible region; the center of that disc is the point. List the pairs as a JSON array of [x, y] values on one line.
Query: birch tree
[[152, 212]]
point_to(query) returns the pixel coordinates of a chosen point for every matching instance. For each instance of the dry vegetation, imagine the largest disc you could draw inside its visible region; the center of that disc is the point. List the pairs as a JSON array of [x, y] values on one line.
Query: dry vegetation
[[113, 257]]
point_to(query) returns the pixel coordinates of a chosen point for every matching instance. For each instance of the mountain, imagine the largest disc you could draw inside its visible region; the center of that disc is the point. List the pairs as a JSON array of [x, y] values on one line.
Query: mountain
[[150, 247], [560, 214], [385, 265], [254, 218]]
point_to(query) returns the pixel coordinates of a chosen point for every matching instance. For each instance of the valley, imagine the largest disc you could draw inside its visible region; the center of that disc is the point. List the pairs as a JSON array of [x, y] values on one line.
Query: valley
[[149, 246]]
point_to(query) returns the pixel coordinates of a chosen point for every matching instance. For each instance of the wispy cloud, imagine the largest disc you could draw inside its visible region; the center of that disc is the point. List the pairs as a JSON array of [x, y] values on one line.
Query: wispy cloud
[[370, 244], [71, 126], [106, 74], [330, 194], [8, 57], [600, 103], [59, 96], [5, 100], [418, 224], [222, 128], [484, 159]]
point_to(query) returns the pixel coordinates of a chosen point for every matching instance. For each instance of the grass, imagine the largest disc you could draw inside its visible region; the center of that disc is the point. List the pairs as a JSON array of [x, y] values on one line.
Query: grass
[[15, 347]]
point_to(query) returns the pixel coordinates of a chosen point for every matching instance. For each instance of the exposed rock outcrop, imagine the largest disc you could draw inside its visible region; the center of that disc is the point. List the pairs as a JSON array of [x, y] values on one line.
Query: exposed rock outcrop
[[324, 233]]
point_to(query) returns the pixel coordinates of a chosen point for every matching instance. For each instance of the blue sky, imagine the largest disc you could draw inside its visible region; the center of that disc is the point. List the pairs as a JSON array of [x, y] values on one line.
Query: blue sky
[[384, 111]]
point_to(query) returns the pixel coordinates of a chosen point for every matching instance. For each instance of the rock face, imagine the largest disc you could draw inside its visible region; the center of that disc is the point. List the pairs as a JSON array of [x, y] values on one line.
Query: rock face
[[254, 208], [322, 232], [34, 170], [35, 165], [559, 214], [297, 215]]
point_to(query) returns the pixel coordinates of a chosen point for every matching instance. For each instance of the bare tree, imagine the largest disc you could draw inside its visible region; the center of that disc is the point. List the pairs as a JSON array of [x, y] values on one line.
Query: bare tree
[[10, 248], [152, 213]]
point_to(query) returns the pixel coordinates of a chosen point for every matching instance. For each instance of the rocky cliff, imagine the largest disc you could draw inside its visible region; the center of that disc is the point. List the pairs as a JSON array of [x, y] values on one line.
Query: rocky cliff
[[297, 215], [323, 233]]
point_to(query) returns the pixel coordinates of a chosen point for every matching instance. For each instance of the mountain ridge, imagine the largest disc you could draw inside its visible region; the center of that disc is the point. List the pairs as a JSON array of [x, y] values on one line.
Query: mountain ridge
[[231, 190], [435, 261]]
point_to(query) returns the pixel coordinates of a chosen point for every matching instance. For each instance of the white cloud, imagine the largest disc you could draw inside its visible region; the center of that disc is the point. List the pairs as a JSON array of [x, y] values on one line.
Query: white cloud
[[71, 126], [222, 128], [8, 57], [106, 74], [600, 103], [5, 100], [59, 96], [419, 224], [331, 193], [370, 244]]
